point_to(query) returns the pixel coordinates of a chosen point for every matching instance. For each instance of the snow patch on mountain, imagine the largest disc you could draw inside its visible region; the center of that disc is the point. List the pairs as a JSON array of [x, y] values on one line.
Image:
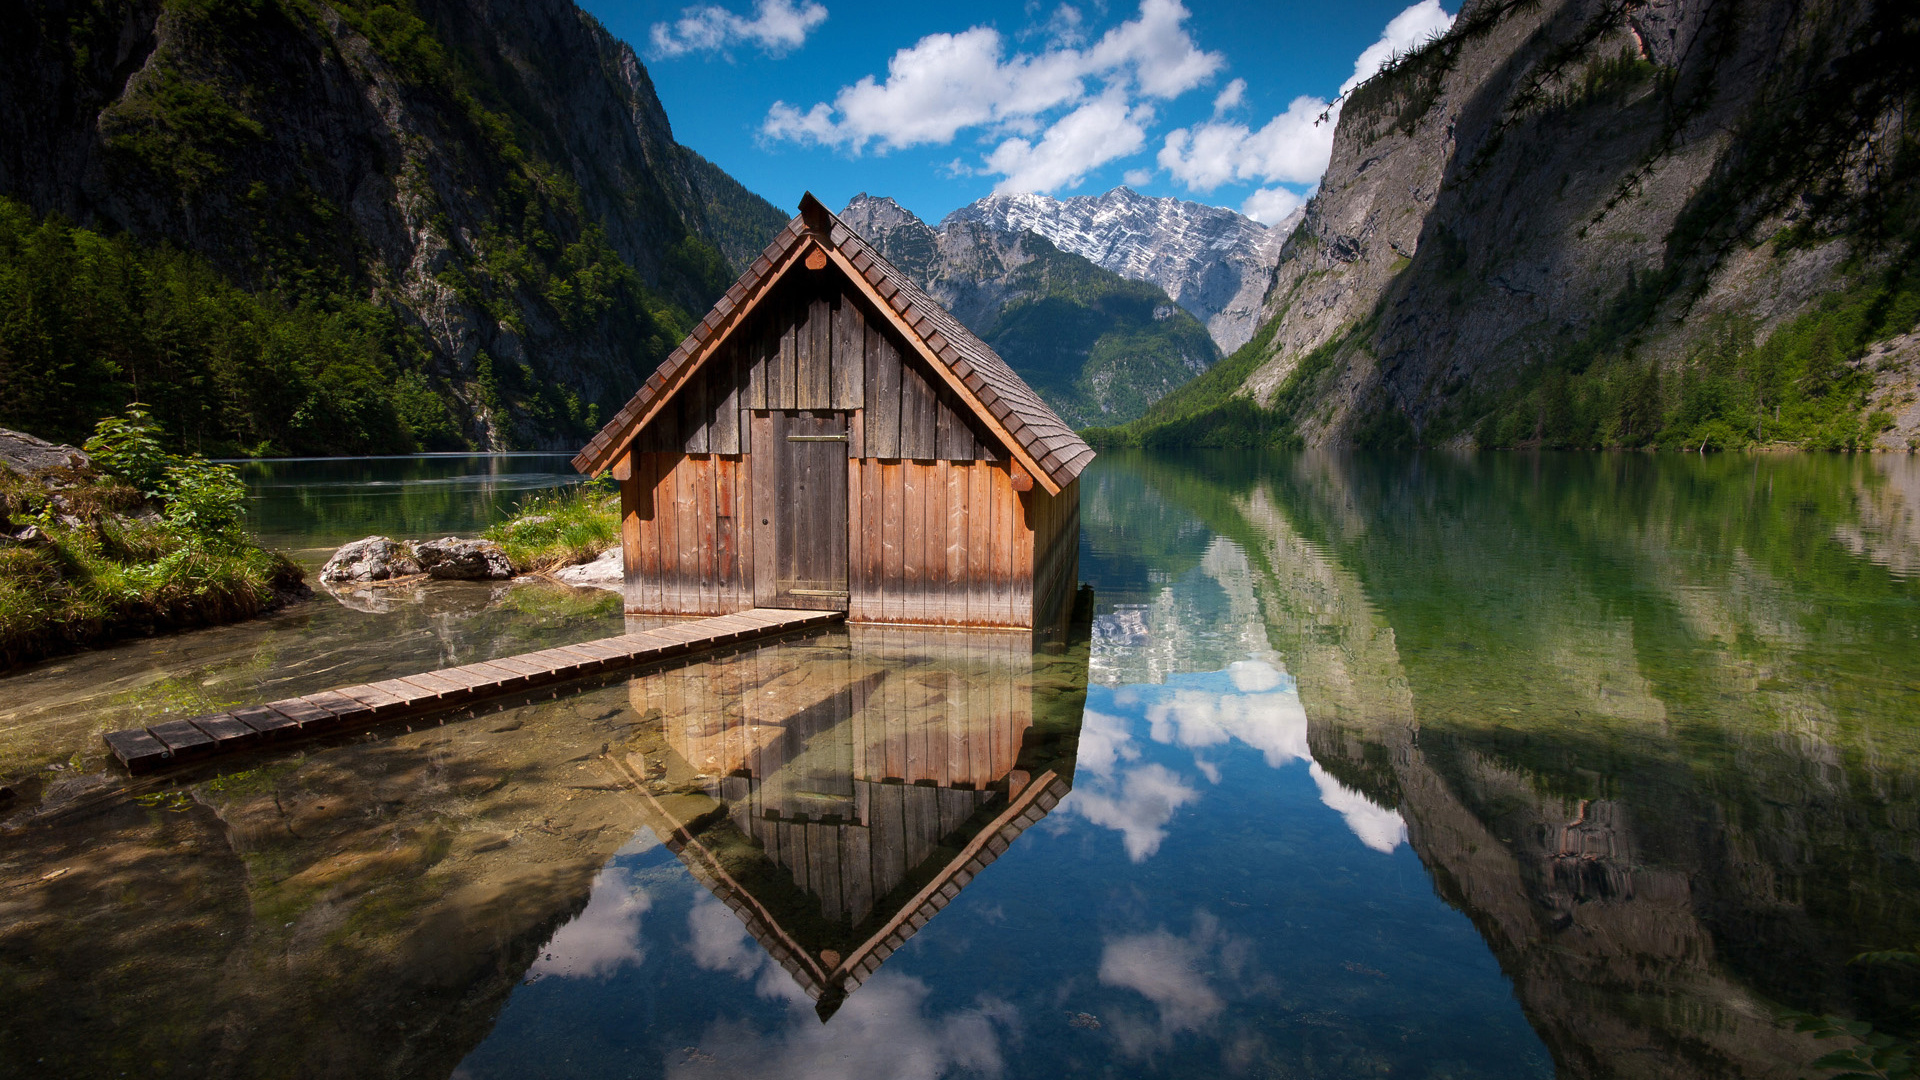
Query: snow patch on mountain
[[1215, 263]]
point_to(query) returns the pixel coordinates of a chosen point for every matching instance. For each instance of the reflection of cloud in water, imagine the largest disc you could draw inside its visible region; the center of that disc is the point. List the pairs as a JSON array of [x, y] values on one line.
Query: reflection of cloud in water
[[1139, 810], [1260, 709], [718, 941], [883, 1030], [1104, 741], [1270, 720], [1171, 972], [1376, 826], [602, 939]]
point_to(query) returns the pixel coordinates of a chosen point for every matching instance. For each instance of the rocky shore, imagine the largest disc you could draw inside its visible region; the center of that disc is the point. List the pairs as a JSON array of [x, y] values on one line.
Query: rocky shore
[[378, 559]]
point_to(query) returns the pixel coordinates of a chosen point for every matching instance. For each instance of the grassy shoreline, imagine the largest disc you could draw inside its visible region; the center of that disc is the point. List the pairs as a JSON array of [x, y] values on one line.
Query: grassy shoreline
[[557, 529], [97, 561]]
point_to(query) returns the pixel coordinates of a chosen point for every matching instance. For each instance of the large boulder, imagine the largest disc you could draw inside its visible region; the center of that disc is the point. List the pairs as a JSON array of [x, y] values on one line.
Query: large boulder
[[452, 558], [606, 572], [374, 559], [25, 453]]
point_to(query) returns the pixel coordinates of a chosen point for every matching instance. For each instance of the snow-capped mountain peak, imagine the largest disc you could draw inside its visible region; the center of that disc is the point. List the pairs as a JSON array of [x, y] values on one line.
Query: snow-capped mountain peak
[[1212, 261]]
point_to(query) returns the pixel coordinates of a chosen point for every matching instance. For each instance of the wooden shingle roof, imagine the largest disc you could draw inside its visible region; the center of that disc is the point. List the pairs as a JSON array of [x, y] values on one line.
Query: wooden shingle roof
[[1034, 433]]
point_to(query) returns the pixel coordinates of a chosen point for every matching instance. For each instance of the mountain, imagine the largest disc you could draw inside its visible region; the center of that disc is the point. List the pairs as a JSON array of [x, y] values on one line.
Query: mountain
[[1581, 223], [355, 227], [1212, 261], [1098, 347]]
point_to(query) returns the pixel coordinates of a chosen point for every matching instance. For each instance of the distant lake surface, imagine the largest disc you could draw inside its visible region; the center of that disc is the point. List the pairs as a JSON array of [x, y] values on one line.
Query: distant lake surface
[[1495, 765], [305, 504]]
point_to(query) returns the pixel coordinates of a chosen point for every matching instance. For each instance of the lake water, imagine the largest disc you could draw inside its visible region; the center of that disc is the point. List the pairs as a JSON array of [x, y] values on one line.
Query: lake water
[[1495, 765]]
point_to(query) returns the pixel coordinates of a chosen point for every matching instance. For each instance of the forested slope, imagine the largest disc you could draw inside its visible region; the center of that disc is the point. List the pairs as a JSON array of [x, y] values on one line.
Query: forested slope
[[304, 227]]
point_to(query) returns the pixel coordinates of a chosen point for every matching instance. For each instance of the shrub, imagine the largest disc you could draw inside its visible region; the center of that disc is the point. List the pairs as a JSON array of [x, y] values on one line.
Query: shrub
[[129, 447], [204, 498]]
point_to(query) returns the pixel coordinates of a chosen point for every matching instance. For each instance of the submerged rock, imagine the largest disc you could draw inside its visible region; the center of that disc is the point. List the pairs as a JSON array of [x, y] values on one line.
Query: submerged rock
[[452, 558], [606, 572], [374, 559], [26, 453]]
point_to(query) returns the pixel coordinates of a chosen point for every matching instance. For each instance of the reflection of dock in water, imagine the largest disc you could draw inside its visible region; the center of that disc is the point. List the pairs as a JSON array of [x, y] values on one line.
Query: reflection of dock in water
[[835, 795]]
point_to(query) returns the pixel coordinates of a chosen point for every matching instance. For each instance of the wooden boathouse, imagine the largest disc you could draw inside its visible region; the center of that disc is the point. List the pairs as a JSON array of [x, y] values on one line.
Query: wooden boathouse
[[830, 438]]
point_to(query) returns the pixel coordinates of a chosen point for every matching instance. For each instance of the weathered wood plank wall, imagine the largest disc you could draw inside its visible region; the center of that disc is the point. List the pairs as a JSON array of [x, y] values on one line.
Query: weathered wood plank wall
[[941, 543], [687, 534], [937, 533], [1056, 540], [811, 347]]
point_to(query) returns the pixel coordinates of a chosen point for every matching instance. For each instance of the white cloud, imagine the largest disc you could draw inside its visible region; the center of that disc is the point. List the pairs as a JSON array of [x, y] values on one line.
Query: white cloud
[[1271, 206], [776, 27], [1262, 711], [943, 83], [1256, 676], [1271, 720], [1157, 50], [1294, 146], [1066, 25], [1104, 742], [1137, 177], [1139, 810], [884, 1029], [1163, 969], [946, 83], [1407, 31], [1230, 98], [1177, 975], [1084, 139], [603, 938]]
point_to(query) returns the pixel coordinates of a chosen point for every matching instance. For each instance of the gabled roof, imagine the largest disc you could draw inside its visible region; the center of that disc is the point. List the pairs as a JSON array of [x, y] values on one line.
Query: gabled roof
[[1037, 436]]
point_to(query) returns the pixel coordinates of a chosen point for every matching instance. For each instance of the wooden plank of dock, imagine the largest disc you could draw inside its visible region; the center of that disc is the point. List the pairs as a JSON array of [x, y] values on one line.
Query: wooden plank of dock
[[149, 748]]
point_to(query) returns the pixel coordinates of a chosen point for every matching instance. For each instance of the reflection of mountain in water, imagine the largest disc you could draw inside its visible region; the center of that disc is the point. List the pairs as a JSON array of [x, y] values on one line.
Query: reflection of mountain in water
[[1208, 620], [835, 797], [1636, 724]]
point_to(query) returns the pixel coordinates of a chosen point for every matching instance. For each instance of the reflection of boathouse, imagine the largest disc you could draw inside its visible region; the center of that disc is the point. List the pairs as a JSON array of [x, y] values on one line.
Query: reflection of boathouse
[[837, 794]]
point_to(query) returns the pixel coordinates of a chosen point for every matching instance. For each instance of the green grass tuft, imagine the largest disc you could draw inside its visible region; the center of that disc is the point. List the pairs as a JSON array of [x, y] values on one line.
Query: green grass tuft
[[561, 528]]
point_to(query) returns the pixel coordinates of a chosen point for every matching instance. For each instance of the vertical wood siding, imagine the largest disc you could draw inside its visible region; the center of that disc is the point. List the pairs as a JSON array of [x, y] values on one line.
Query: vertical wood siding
[[815, 346], [687, 534], [936, 534], [938, 543]]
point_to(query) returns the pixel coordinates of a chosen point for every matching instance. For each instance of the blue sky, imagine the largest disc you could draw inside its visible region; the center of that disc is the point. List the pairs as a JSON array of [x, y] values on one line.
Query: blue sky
[[938, 104]]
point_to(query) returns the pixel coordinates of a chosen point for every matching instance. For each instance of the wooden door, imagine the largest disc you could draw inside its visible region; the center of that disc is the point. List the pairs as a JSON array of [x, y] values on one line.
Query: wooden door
[[802, 469]]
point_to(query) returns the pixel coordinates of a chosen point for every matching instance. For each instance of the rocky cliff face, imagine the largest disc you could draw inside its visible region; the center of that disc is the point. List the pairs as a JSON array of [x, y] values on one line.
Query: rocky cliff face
[[499, 175], [1099, 348], [1563, 222], [1213, 262]]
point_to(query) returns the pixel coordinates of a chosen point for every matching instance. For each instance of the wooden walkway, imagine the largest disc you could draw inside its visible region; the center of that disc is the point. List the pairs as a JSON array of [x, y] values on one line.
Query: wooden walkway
[[146, 749]]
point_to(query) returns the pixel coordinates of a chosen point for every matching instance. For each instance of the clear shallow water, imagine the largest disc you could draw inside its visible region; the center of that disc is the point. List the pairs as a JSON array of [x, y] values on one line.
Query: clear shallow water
[[1492, 766]]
